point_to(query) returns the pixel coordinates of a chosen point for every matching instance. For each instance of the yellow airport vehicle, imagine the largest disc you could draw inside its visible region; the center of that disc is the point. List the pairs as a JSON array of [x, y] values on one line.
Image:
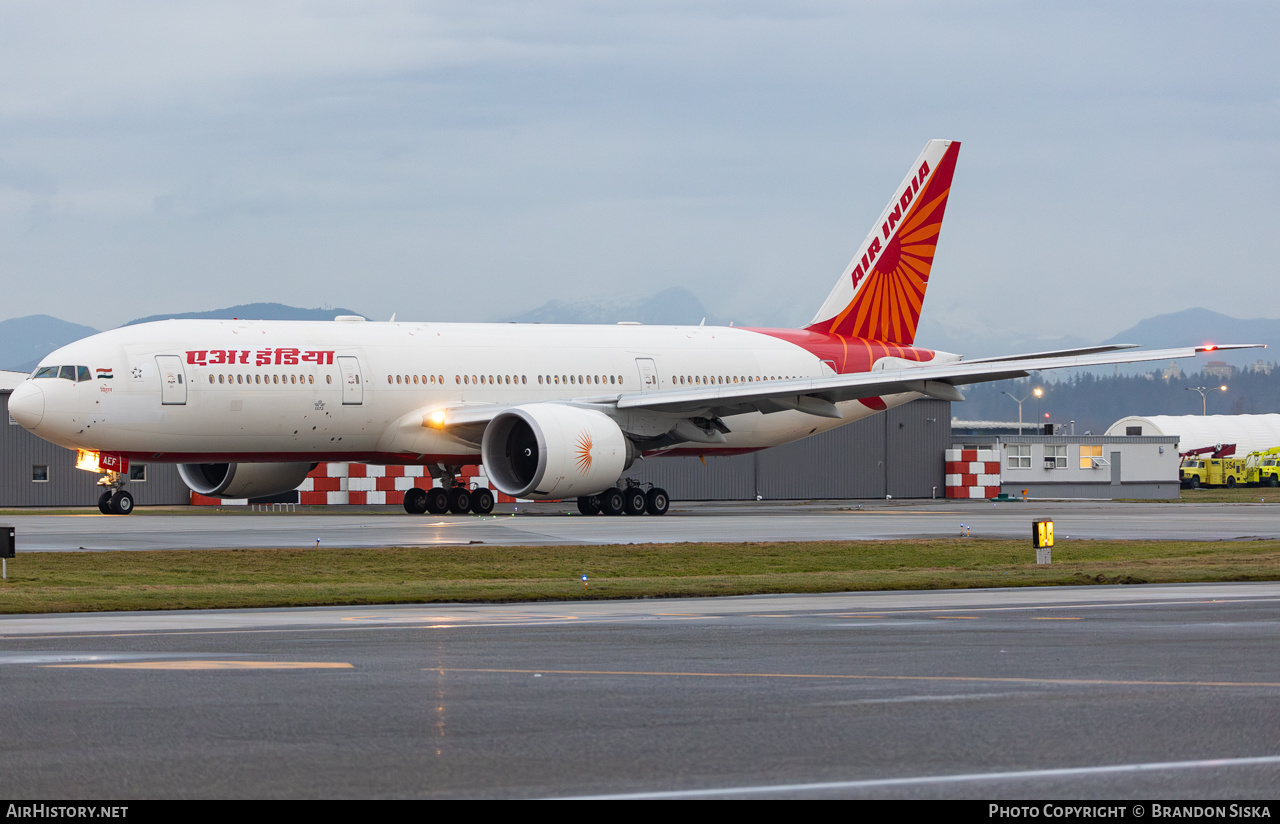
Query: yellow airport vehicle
[[1263, 468], [1196, 472]]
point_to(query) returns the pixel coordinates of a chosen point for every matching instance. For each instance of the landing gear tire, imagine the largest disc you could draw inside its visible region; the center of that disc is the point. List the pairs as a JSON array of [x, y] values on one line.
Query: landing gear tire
[[482, 502], [589, 504], [104, 503], [122, 503], [634, 501], [437, 501], [415, 501], [459, 500], [612, 501], [657, 502]]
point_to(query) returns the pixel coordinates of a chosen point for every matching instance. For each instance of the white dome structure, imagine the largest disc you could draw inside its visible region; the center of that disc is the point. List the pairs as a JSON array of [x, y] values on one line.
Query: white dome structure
[[1250, 433]]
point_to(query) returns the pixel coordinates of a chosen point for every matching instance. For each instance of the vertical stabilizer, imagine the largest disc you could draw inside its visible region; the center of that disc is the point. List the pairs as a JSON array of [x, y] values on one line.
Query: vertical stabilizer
[[882, 289]]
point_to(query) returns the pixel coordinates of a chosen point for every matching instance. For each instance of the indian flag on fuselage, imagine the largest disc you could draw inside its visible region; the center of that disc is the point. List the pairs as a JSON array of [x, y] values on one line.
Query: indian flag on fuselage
[[104, 373], [882, 289]]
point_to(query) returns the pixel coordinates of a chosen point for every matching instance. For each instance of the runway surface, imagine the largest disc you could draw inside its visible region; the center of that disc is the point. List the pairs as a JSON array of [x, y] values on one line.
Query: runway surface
[[554, 524], [1100, 692]]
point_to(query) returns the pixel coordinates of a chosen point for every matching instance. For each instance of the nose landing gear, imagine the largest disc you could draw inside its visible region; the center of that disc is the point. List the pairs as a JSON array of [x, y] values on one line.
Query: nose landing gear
[[115, 499]]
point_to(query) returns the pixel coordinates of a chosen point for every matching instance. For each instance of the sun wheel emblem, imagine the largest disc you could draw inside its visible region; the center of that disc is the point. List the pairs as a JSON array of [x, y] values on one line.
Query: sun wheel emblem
[[583, 453]]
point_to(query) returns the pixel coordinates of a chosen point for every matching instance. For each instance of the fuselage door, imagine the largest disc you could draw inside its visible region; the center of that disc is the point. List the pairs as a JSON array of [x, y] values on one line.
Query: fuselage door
[[173, 380], [352, 383], [648, 374]]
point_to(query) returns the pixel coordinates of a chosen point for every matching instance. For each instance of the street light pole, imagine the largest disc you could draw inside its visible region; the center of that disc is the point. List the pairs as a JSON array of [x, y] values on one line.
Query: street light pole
[[1037, 392], [1204, 402]]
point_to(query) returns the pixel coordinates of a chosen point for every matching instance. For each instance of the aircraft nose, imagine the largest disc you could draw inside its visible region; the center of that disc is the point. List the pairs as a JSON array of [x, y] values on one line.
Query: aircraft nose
[[26, 405]]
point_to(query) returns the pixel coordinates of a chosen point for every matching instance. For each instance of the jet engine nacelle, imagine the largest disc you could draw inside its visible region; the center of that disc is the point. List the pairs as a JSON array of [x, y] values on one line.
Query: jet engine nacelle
[[243, 480], [546, 451]]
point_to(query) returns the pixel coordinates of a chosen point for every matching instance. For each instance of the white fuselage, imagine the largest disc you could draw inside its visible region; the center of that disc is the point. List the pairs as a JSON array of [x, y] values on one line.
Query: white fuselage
[[229, 390]]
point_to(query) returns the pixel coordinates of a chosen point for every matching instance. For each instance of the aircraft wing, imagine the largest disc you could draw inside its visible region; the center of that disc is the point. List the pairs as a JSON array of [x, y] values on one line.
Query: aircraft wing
[[818, 396]]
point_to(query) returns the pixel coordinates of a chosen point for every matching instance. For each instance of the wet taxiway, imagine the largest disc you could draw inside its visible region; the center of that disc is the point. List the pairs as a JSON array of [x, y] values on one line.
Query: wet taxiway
[[1101, 692], [535, 524]]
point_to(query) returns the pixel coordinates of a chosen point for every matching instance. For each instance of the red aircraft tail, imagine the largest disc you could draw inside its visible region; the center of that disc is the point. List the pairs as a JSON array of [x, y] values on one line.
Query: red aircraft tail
[[882, 289]]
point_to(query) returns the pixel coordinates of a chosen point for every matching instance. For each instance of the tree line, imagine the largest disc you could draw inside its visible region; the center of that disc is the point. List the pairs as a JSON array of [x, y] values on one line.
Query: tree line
[[1095, 402]]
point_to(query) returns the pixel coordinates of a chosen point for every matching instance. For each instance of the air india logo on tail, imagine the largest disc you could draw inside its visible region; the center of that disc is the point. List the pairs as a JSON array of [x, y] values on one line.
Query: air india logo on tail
[[883, 292], [582, 453]]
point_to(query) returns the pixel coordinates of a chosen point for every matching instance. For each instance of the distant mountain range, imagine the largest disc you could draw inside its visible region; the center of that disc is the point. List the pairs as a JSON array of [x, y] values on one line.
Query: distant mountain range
[[254, 311], [1194, 327], [675, 306], [24, 341], [1190, 327]]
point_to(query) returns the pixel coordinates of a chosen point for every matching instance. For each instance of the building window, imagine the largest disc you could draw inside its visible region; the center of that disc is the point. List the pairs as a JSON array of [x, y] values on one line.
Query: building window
[[1088, 455], [40, 473], [1055, 456], [1019, 455], [138, 472]]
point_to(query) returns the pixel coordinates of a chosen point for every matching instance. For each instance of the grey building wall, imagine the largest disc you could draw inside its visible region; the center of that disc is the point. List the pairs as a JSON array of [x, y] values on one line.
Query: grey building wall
[[1133, 466], [898, 453], [20, 451]]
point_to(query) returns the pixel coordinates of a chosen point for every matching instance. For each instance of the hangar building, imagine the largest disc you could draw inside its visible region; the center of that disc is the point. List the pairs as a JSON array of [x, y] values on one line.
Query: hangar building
[[1250, 433]]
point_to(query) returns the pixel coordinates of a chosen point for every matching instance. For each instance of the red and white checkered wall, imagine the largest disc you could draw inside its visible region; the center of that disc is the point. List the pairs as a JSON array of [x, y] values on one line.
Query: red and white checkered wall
[[364, 484], [973, 473]]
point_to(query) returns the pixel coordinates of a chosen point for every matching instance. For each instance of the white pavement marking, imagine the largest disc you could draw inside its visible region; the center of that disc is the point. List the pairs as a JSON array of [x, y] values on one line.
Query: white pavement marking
[[924, 780]]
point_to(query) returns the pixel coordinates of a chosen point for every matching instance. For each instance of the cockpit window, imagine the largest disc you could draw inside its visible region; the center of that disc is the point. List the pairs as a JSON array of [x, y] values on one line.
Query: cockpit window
[[71, 373]]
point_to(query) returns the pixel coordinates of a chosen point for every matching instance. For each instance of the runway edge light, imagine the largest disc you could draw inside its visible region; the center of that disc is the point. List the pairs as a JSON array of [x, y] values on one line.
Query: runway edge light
[[1042, 540]]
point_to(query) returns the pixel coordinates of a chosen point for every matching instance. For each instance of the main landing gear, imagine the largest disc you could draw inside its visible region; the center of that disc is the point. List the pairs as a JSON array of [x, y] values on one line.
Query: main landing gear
[[633, 500], [455, 499], [115, 499]]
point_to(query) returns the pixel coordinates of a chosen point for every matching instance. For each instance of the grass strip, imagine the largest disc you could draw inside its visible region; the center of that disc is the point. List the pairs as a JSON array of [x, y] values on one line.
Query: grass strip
[[242, 578]]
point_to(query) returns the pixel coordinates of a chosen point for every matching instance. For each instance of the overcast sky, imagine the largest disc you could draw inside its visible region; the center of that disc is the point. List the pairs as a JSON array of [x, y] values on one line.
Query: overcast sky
[[468, 161]]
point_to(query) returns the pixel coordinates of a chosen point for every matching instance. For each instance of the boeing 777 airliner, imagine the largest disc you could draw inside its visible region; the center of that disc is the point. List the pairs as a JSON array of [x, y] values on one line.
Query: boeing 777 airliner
[[246, 408]]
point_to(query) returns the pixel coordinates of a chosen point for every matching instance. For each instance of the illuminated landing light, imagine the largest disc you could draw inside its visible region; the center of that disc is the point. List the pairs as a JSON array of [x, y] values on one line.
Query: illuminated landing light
[[436, 419], [88, 460]]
